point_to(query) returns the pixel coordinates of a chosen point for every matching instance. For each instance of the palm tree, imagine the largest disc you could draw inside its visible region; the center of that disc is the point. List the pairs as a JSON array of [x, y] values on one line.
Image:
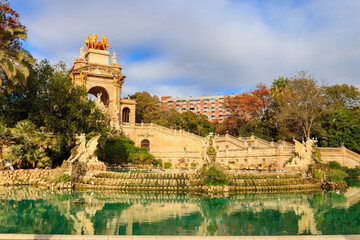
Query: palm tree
[[278, 88], [15, 62]]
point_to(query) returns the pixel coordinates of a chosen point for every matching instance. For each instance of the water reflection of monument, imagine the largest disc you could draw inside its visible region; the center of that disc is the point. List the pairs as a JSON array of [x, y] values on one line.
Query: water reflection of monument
[[116, 213]]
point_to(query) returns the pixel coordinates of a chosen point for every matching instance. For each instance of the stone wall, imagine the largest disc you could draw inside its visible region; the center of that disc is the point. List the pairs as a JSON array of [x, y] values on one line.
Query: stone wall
[[182, 181], [183, 149], [38, 177], [175, 146]]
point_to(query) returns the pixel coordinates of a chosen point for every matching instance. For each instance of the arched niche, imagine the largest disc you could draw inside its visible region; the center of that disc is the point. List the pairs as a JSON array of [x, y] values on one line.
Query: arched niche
[[145, 144], [126, 115], [104, 94]]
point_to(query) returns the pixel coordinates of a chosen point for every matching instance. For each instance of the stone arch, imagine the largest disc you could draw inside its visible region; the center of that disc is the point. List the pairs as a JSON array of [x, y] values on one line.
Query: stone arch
[[146, 144], [104, 94], [126, 114]]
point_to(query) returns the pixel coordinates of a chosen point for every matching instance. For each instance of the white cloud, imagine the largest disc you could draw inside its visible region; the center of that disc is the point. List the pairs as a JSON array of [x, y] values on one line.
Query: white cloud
[[206, 46]]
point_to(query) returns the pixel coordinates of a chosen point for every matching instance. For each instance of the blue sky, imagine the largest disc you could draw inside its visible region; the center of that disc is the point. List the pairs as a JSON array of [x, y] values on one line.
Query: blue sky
[[203, 47]]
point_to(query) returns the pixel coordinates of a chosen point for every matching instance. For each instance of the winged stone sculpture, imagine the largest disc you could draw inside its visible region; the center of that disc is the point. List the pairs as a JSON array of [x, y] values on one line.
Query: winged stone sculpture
[[84, 152], [7, 164]]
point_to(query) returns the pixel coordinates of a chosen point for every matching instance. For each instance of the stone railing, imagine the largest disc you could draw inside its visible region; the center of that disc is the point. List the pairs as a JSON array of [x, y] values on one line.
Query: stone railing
[[231, 139], [353, 155], [336, 153], [263, 142], [182, 154], [169, 131]]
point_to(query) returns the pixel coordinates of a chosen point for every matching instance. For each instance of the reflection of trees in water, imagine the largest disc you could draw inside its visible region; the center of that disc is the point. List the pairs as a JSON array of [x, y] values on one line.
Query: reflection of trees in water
[[82, 212], [337, 212], [267, 222], [341, 220], [179, 225], [32, 217], [109, 213]]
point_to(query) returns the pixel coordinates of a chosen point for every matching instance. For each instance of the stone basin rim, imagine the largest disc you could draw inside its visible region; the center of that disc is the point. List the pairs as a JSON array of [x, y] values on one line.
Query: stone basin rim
[[163, 237]]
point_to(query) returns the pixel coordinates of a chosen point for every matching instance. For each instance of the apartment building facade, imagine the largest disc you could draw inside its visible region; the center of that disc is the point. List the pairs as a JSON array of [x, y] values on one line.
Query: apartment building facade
[[211, 106]]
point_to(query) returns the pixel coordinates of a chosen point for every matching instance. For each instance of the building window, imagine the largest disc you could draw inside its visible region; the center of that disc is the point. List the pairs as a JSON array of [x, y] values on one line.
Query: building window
[[126, 115]]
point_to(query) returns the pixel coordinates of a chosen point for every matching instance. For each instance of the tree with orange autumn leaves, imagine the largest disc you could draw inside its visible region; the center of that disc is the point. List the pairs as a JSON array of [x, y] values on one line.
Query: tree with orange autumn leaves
[[249, 106], [10, 19], [245, 107]]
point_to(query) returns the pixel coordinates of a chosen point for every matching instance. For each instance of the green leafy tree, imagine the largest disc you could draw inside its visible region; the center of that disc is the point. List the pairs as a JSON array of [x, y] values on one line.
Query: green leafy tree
[[197, 124], [342, 96], [263, 129], [146, 107], [167, 118], [302, 105], [50, 100], [341, 126]]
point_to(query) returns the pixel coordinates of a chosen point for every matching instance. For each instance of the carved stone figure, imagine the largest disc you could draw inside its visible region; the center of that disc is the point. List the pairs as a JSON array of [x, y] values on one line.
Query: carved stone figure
[[304, 155], [98, 103], [211, 152], [113, 58], [82, 53], [84, 152]]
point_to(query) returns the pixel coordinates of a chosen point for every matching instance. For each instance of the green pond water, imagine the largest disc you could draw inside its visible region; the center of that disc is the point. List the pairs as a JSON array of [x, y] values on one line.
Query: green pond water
[[31, 210]]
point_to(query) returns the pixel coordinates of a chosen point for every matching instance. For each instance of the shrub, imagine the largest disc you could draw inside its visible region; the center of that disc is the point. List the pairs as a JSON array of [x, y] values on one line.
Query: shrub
[[316, 154], [120, 150], [353, 173], [318, 174], [211, 153], [335, 175], [64, 178], [140, 156], [115, 150], [157, 162], [335, 165], [214, 176], [59, 177], [167, 165], [353, 183]]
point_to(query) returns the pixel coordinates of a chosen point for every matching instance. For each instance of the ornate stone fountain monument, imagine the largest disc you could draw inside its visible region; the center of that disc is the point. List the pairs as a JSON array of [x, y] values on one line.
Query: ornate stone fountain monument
[[103, 80]]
